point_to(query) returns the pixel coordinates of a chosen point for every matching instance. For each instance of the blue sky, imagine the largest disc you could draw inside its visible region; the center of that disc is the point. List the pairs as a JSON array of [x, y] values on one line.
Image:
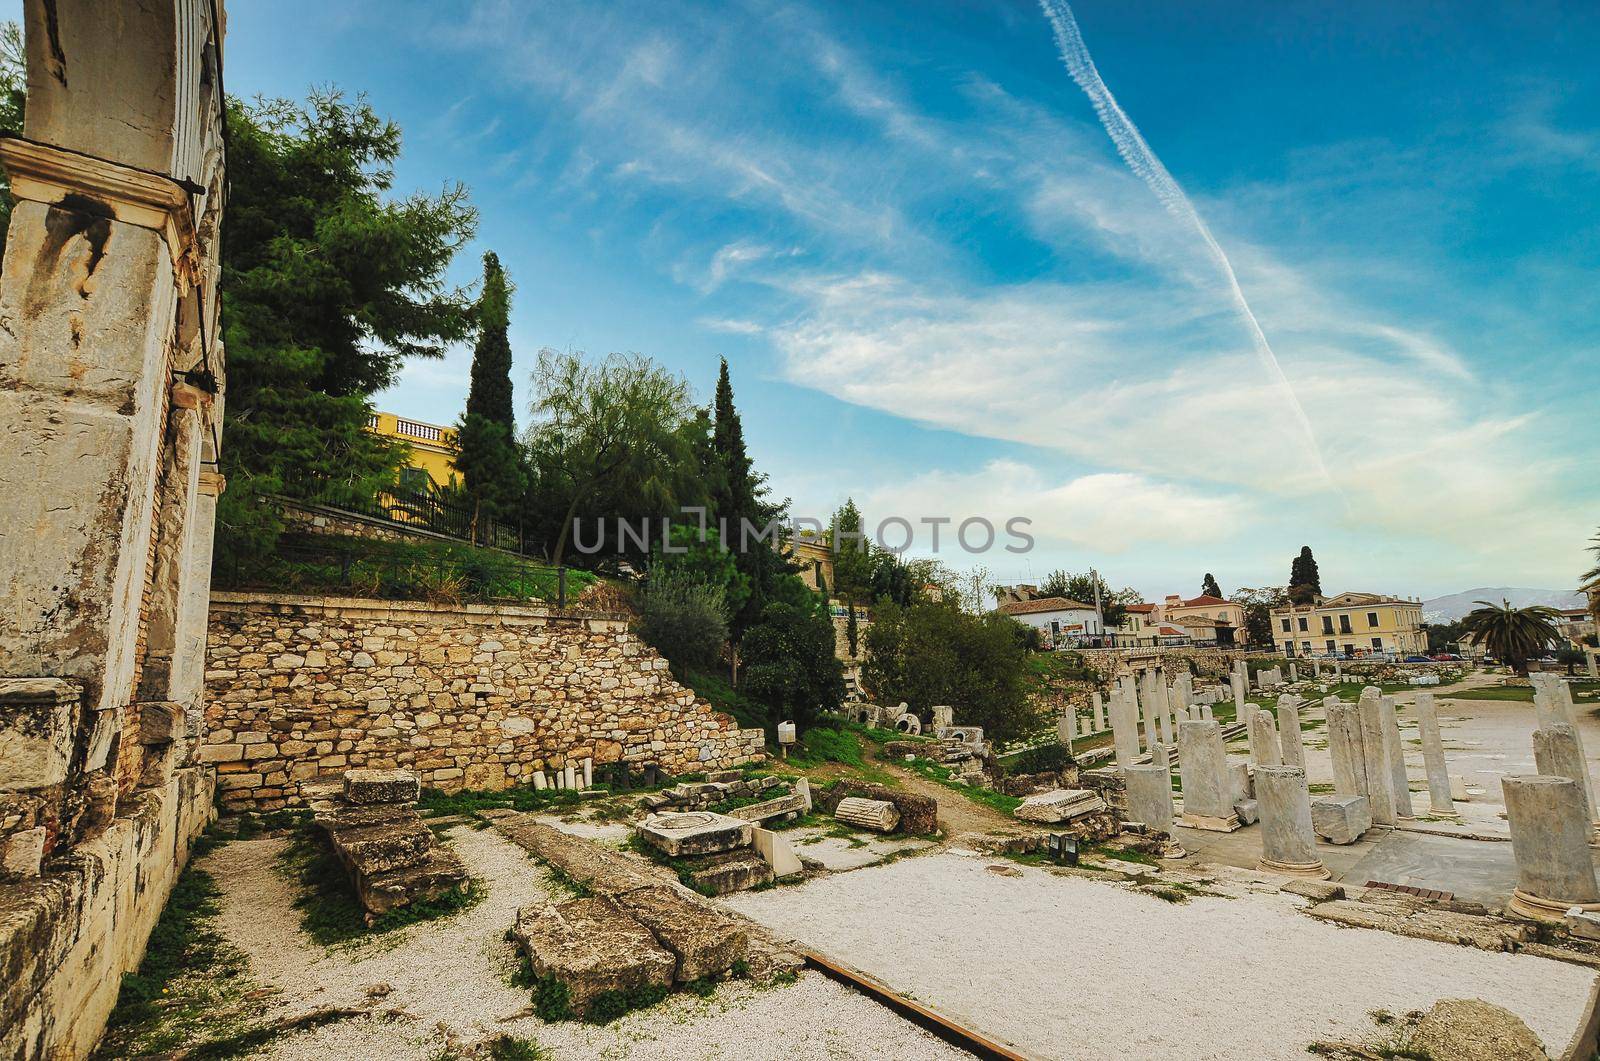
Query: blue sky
[[942, 291]]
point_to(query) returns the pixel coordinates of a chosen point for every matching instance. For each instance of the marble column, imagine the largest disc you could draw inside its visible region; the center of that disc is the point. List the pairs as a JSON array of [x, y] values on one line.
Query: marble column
[[1067, 726], [1439, 799], [1294, 671], [1288, 843], [1207, 786], [1150, 797], [1550, 841], [1557, 753], [1124, 729], [1376, 757], [1289, 735], [1264, 749], [1397, 757], [1552, 702], [1345, 747], [1098, 715], [1236, 682]]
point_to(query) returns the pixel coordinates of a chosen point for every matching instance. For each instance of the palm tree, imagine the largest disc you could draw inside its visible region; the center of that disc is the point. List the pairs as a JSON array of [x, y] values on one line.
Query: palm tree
[[1514, 635], [1592, 575]]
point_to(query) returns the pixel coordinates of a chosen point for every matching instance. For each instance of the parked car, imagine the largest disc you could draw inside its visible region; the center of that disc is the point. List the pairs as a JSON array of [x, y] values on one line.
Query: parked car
[[1418, 659], [1445, 657]]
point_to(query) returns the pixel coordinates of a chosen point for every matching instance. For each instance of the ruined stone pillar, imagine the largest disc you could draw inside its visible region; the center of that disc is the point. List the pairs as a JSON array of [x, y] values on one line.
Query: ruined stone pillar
[[1124, 729], [1150, 797], [1067, 727], [1289, 735], [1377, 760], [1099, 713], [1236, 682], [1264, 740], [1557, 753], [1396, 750], [1550, 841], [1552, 703], [1207, 785], [1288, 844], [1439, 799], [1345, 747], [1294, 671]]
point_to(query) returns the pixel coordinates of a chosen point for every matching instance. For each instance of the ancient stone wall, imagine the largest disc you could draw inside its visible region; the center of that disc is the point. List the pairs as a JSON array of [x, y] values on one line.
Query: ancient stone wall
[[111, 388], [468, 696], [1207, 662]]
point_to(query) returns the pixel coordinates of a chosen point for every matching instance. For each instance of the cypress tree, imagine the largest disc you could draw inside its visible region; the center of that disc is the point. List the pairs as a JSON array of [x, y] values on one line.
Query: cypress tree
[[1209, 587], [487, 453], [1305, 583]]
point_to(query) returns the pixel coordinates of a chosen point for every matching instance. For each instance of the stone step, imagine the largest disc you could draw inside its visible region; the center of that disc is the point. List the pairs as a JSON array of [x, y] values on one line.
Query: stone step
[[730, 871], [375, 849], [441, 873], [592, 946]]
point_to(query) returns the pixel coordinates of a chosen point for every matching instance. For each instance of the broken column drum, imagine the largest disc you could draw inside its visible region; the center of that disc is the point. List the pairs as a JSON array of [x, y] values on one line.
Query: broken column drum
[[1558, 753], [1288, 843], [1289, 735], [875, 814], [1550, 840]]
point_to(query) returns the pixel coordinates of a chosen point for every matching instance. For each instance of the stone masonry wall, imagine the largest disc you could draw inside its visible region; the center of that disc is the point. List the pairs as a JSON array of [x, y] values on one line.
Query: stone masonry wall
[[468, 696]]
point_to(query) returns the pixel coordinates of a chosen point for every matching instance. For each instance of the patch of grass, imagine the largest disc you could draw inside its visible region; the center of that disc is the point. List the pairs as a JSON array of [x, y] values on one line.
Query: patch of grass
[[720, 693], [470, 802], [188, 987], [512, 1048], [552, 1002], [330, 912], [987, 797]]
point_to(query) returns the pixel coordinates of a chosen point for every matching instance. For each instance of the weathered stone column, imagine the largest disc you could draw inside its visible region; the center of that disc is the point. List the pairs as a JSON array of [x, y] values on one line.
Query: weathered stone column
[[1099, 714], [1289, 735], [1150, 801], [1207, 787], [1558, 753], [1377, 758], [1264, 740], [1345, 748], [1067, 726], [1439, 799], [1124, 729], [1550, 840], [1152, 730], [1552, 702], [1396, 750], [1294, 671], [1288, 844], [1236, 682]]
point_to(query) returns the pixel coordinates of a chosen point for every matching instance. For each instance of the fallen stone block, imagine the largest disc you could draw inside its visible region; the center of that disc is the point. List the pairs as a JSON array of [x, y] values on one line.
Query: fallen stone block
[[380, 848], [694, 833], [435, 877], [1318, 891], [778, 853], [766, 810], [704, 941], [1061, 805], [1248, 811], [1341, 819], [1470, 1029], [592, 946], [381, 786], [919, 815], [1582, 924], [728, 872]]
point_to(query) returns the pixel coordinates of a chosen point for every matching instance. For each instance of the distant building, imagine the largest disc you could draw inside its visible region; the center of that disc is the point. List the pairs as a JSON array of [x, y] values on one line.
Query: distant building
[[1576, 625], [1228, 616], [1138, 625], [814, 558], [430, 449], [1350, 624], [1057, 618]]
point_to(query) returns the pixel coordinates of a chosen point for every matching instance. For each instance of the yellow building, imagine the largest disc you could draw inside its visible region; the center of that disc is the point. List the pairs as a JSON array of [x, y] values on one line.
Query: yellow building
[[431, 449], [1350, 624]]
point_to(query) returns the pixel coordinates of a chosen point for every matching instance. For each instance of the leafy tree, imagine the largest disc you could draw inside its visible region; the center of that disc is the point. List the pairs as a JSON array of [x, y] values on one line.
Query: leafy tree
[[706, 562], [1512, 635], [1570, 657], [611, 439], [1442, 635], [853, 556], [684, 618], [935, 653], [328, 285], [1305, 584], [787, 657], [1591, 576], [1080, 588], [13, 100], [1209, 587], [1258, 605], [487, 454]]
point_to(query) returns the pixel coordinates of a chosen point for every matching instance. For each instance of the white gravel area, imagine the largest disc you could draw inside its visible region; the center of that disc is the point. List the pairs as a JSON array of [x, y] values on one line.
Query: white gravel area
[[449, 978], [1065, 967]]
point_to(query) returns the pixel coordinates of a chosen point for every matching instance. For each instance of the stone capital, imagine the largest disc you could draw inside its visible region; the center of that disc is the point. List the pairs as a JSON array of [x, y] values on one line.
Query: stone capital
[[71, 180]]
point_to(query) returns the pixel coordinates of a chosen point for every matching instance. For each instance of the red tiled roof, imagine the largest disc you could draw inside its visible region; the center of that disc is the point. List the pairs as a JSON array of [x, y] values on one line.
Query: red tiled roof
[[1142, 609], [1203, 601], [1044, 604]]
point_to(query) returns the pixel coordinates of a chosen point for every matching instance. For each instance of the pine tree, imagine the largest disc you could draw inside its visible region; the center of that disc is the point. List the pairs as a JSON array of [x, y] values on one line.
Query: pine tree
[[1209, 587], [852, 632], [487, 454], [1305, 584]]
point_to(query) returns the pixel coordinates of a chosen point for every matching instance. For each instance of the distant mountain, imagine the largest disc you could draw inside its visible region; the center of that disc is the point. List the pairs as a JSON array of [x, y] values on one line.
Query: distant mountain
[[1449, 609]]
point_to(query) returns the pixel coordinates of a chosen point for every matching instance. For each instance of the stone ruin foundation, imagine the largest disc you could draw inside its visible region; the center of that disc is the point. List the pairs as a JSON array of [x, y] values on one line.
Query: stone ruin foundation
[[111, 386]]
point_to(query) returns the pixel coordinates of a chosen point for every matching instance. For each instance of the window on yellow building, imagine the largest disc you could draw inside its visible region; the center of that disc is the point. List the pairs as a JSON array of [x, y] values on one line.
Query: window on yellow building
[[1372, 618]]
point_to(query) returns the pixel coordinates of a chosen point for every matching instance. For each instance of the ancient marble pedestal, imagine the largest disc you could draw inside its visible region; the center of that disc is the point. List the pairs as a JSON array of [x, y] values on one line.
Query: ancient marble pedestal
[[1550, 832], [1288, 844], [1207, 786], [1340, 819]]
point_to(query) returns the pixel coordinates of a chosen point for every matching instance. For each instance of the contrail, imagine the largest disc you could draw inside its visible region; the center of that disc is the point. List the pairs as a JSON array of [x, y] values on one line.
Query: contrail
[[1144, 163]]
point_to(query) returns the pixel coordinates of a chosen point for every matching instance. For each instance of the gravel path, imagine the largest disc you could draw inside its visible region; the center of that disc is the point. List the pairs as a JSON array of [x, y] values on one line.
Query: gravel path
[[450, 979], [1069, 968]]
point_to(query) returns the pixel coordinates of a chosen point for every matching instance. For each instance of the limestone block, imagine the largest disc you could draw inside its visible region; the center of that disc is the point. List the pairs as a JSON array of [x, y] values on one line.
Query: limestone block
[[162, 722], [38, 720], [794, 803], [592, 946], [778, 853], [875, 814], [705, 941], [729, 871], [363, 786], [694, 833], [1341, 819], [1248, 811], [1059, 805], [22, 853], [1470, 1029]]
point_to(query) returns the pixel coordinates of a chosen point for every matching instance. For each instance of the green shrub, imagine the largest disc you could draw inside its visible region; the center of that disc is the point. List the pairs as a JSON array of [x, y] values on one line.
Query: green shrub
[[684, 619], [1046, 758], [551, 1000]]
